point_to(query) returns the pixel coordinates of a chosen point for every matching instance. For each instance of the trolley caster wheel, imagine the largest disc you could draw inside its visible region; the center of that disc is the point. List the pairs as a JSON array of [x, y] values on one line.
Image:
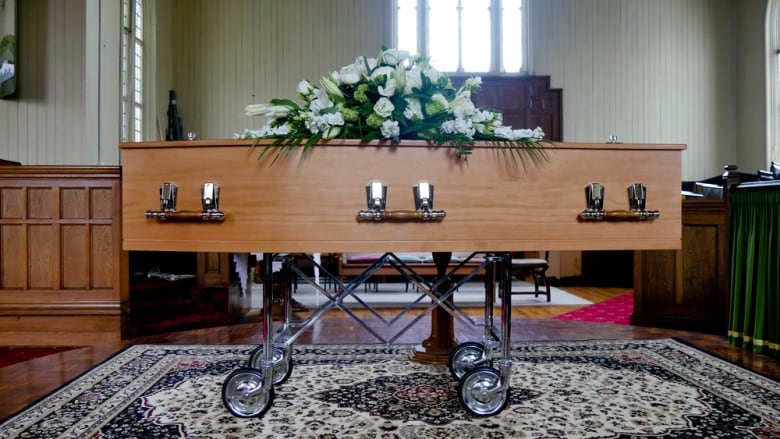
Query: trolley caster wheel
[[236, 399], [282, 363], [464, 358], [474, 392]]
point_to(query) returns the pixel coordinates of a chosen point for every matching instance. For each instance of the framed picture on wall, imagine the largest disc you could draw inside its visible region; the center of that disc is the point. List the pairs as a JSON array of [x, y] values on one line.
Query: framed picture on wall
[[7, 48]]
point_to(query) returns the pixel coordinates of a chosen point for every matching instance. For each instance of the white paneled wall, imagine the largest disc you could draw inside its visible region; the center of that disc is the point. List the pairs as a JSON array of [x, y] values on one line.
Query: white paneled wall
[[662, 71], [44, 122], [656, 71], [233, 53]]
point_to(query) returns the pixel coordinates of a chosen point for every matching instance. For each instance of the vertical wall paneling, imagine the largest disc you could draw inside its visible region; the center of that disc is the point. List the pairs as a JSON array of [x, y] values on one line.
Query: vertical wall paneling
[[44, 122], [648, 71], [230, 54], [92, 49], [109, 93]]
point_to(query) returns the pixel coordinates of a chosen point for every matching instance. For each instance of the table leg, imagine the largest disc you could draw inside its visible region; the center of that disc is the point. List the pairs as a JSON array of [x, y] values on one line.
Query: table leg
[[437, 347]]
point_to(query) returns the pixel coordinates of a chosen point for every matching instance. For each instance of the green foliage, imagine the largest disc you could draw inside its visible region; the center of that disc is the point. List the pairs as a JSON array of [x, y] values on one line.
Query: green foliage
[[393, 98]]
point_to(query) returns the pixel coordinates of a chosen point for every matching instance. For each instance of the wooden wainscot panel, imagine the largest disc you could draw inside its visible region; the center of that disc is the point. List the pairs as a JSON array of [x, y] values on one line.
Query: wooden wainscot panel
[[310, 203], [62, 264]]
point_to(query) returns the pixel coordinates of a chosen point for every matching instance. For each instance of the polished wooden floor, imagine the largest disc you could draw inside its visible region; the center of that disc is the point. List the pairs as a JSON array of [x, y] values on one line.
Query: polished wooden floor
[[23, 383]]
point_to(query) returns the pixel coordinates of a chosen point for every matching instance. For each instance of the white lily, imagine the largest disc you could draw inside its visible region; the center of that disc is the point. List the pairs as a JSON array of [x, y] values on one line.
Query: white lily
[[413, 79], [321, 101], [393, 57], [381, 71], [305, 90], [330, 85], [400, 77], [388, 89], [462, 107], [267, 110]]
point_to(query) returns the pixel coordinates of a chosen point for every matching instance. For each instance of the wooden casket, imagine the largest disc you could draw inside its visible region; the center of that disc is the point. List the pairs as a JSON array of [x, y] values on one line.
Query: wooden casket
[[310, 203]]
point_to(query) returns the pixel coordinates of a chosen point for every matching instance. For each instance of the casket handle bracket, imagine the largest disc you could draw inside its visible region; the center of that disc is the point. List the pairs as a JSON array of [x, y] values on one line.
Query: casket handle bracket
[[168, 213], [637, 199], [376, 200]]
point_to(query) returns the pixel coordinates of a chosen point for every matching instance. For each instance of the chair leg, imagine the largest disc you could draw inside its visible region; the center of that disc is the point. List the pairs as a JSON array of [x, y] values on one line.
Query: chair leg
[[546, 286], [536, 284]]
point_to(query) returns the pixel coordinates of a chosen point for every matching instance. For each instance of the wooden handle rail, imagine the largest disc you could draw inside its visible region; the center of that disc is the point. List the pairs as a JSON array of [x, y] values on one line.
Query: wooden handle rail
[[401, 216], [619, 215], [186, 215]]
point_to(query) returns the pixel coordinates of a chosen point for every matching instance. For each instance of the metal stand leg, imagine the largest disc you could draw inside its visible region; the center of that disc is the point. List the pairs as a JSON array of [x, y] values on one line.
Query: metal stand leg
[[483, 390], [249, 391]]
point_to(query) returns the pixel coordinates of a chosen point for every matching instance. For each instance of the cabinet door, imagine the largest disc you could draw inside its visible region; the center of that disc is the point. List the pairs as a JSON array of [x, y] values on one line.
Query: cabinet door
[[687, 288]]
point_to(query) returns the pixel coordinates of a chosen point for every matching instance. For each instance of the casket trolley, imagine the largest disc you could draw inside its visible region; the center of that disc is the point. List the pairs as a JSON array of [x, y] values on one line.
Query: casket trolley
[[576, 200]]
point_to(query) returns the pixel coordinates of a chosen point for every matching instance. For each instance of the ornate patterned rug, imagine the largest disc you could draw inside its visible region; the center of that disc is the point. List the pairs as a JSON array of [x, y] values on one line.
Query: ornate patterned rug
[[583, 389]]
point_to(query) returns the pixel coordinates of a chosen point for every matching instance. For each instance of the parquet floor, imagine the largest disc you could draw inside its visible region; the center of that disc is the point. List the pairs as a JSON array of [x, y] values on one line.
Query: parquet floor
[[23, 383]]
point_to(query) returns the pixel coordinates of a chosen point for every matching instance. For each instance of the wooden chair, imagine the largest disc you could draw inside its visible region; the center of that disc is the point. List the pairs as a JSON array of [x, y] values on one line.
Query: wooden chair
[[535, 268]]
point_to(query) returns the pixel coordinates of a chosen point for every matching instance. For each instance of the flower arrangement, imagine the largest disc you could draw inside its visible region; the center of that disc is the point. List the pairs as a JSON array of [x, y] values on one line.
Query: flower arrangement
[[389, 98]]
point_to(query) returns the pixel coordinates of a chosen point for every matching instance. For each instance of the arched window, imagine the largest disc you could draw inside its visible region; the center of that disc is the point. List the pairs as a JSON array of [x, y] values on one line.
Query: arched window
[[773, 88], [463, 35]]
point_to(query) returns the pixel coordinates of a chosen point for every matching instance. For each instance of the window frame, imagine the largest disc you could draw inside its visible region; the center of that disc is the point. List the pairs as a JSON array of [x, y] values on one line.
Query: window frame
[[133, 46], [496, 43]]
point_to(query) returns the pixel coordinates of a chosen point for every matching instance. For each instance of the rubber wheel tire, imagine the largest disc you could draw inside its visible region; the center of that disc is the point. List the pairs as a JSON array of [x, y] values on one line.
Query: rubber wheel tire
[[283, 365], [473, 396], [462, 358], [240, 380]]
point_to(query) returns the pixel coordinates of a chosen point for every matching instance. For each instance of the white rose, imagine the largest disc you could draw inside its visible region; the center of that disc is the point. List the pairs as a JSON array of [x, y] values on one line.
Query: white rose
[[352, 73], [384, 107]]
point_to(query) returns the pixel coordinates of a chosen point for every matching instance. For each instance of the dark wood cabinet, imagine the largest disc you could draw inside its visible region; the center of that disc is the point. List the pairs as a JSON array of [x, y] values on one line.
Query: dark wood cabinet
[[524, 101], [687, 288]]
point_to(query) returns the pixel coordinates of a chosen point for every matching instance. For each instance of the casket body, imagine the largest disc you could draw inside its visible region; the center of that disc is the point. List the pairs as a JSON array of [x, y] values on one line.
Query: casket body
[[310, 203]]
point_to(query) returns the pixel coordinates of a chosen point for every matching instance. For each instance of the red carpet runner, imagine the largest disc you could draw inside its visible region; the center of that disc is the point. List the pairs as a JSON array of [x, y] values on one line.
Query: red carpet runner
[[616, 310]]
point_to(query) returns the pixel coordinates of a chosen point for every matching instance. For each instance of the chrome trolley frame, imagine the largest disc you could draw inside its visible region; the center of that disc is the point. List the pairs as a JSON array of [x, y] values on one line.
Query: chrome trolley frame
[[483, 389]]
